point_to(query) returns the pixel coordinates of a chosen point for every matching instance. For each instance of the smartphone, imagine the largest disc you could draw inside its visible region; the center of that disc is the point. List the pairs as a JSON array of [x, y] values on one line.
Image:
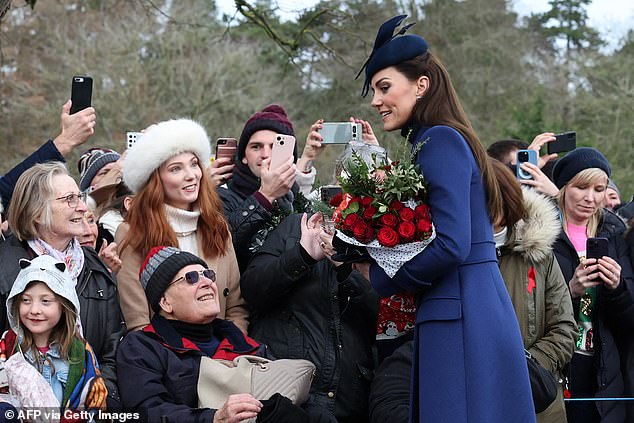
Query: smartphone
[[563, 142], [80, 93], [283, 147], [226, 147], [524, 156], [132, 137], [340, 132], [327, 192], [596, 247]]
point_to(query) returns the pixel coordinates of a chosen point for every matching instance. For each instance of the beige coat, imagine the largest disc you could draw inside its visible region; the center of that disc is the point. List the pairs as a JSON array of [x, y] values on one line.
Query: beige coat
[[134, 305]]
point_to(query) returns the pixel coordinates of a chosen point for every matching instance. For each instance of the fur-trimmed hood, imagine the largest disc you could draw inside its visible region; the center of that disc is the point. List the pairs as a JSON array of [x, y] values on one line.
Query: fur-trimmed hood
[[534, 236]]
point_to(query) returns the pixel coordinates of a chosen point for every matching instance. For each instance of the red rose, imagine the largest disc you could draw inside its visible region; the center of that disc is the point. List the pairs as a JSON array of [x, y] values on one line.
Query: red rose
[[406, 214], [366, 201], [387, 237], [369, 212], [350, 221], [355, 200], [422, 211], [396, 205], [362, 232], [336, 200], [407, 230], [388, 220], [423, 226]]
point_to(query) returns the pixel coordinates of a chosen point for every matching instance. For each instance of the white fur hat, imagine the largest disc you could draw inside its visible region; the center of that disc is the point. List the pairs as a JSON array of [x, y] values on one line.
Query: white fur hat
[[161, 142], [44, 269]]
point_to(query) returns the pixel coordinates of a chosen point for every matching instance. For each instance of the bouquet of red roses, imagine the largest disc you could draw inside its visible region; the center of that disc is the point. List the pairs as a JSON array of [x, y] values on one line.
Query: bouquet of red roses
[[384, 209]]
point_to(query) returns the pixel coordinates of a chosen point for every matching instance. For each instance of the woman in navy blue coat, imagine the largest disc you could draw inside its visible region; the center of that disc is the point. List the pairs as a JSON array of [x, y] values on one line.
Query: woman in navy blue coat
[[469, 363]]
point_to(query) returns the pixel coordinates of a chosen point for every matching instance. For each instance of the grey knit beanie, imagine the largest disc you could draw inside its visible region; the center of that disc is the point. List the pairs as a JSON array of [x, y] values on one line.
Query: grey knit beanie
[[160, 267], [91, 162]]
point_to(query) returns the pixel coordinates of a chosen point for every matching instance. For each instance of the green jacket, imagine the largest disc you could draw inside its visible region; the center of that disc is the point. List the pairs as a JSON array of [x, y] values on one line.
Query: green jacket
[[538, 291]]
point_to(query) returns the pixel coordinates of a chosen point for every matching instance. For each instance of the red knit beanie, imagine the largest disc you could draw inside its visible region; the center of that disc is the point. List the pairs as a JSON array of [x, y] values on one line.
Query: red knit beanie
[[274, 118]]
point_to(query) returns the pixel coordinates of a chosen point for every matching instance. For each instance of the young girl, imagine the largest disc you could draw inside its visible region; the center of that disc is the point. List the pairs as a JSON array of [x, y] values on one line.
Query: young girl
[[47, 361]]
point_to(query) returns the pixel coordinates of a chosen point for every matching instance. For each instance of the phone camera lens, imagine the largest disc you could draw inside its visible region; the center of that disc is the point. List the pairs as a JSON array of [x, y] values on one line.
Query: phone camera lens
[[523, 156], [354, 129], [281, 142]]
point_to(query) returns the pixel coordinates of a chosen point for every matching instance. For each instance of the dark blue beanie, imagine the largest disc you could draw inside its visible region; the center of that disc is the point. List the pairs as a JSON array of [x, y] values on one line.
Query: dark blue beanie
[[390, 49], [576, 161]]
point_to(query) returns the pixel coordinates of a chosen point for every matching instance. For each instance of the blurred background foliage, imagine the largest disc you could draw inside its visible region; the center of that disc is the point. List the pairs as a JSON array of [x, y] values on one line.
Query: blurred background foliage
[[153, 60]]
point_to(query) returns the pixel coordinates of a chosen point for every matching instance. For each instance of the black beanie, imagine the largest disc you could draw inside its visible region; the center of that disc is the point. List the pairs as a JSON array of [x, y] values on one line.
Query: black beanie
[[160, 267], [577, 160], [274, 118]]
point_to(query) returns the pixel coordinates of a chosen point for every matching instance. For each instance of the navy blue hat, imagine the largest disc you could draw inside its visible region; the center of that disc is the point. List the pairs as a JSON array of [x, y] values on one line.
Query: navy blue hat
[[390, 49], [576, 161]]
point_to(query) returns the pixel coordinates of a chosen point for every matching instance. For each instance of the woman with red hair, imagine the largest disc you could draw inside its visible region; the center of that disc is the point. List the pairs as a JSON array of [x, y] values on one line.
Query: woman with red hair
[[176, 205]]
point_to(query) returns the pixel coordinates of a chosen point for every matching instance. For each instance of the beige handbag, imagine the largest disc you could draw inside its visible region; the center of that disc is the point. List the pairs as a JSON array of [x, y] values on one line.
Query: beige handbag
[[253, 375]]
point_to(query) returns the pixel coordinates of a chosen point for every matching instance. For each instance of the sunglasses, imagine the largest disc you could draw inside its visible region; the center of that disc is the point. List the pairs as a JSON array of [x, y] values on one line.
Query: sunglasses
[[193, 277]]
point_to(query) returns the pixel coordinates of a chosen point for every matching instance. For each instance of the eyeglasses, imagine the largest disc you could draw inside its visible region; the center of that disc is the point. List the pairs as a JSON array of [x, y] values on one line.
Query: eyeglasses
[[193, 277], [73, 199]]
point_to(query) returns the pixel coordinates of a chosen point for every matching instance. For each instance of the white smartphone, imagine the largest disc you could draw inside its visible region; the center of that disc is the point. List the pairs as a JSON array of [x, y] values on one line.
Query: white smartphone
[[131, 138], [283, 147], [340, 132]]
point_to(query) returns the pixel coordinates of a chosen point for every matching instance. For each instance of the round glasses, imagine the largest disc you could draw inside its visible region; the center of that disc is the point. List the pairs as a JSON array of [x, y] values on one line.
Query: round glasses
[[193, 276], [73, 199]]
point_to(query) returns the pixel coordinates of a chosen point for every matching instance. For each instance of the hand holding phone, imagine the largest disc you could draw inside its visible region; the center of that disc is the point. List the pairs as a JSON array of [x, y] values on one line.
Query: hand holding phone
[[80, 93], [524, 156]]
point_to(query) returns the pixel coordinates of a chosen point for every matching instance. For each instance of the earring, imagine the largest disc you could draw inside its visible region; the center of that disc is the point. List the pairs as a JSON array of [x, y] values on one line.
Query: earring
[[418, 97]]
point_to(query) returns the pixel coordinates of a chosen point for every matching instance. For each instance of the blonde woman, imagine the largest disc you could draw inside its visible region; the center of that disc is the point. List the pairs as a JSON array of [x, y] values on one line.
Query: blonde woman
[[602, 289]]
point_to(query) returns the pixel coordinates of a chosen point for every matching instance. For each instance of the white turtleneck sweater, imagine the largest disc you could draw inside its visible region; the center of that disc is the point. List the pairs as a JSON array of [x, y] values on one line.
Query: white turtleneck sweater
[[184, 223]]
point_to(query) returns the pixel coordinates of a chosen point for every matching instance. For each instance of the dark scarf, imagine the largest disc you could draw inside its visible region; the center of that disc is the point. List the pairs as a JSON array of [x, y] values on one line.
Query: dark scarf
[[194, 332], [243, 181]]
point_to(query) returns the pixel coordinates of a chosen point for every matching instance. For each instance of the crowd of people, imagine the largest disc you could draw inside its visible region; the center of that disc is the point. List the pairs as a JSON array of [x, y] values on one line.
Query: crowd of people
[[115, 288]]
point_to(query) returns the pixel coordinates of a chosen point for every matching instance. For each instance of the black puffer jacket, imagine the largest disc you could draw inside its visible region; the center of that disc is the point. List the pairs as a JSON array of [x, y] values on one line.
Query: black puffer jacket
[[614, 317], [303, 309], [247, 216], [101, 318]]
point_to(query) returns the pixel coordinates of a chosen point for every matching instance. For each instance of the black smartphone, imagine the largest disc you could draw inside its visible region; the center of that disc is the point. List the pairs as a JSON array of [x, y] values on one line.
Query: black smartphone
[[563, 142], [328, 192], [80, 93], [596, 247]]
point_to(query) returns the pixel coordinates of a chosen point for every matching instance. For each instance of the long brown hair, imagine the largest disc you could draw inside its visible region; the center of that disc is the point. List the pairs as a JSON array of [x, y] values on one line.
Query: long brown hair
[[440, 106], [63, 333], [149, 226], [513, 208]]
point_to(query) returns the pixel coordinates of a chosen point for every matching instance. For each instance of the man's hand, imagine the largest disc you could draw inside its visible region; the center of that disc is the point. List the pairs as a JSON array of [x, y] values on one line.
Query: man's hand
[[76, 128], [276, 183]]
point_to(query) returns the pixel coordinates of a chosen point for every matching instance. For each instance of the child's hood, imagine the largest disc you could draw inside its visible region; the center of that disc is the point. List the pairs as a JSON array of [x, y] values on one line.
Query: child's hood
[[44, 269]]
